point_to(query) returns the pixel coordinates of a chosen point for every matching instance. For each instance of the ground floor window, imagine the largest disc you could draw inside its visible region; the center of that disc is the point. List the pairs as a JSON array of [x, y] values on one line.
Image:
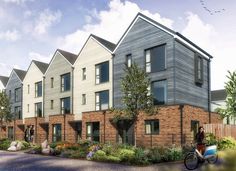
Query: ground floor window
[[194, 128], [92, 131], [18, 113], [10, 133], [38, 109], [152, 126], [56, 134]]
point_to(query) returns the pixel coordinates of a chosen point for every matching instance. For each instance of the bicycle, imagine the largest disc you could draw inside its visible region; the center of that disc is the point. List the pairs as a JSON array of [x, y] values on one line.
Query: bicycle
[[194, 158]]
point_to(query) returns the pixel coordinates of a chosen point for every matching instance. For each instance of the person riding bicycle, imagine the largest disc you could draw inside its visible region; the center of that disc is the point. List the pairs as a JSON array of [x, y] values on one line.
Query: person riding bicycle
[[200, 139]]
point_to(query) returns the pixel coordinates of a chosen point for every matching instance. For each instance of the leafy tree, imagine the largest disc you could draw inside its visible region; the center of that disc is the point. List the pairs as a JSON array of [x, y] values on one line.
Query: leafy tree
[[135, 87], [5, 109], [230, 110]]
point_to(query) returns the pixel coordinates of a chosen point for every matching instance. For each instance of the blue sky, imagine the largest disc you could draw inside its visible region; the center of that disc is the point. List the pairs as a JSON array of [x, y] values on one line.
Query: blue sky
[[34, 29]]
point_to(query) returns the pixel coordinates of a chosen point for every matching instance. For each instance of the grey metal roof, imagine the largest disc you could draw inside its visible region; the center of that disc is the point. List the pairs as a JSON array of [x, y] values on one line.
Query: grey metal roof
[[20, 73], [4, 80], [109, 45], [69, 56], [41, 65], [217, 95]]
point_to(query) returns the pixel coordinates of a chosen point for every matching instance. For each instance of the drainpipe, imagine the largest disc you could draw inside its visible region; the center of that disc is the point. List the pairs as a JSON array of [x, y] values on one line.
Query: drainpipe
[[104, 126], [36, 130], [64, 115], [43, 95], [181, 123], [209, 88], [72, 90]]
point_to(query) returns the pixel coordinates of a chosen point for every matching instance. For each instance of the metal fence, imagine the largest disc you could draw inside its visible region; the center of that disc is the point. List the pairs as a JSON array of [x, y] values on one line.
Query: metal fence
[[221, 130]]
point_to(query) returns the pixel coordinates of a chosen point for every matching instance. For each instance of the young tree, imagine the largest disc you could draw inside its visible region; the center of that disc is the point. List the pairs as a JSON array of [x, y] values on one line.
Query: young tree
[[229, 111], [135, 87], [5, 109]]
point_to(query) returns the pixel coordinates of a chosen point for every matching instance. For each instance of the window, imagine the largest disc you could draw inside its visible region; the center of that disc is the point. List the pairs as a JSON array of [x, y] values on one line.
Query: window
[[38, 109], [56, 134], [152, 127], [65, 105], [198, 69], [10, 133], [83, 99], [18, 114], [102, 100], [27, 107], [92, 131], [83, 73], [38, 89], [52, 82], [102, 72], [194, 127], [65, 82], [159, 92], [10, 95], [128, 60], [28, 87], [155, 59], [52, 104], [17, 94]]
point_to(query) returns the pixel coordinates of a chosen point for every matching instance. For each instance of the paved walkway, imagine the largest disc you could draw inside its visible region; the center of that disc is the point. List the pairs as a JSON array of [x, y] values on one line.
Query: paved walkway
[[19, 161]]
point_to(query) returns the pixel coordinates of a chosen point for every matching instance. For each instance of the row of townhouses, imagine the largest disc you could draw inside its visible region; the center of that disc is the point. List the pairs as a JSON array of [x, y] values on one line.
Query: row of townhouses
[[68, 99]]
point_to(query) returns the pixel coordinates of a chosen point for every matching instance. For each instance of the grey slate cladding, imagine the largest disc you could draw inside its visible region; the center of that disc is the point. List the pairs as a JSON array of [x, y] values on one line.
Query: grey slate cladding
[[107, 44], [4, 80], [217, 95], [41, 65], [69, 56]]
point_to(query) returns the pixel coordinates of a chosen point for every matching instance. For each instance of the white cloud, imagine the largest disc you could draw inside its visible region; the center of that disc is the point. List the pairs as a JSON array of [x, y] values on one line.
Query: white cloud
[[16, 1], [39, 57], [6, 69], [46, 19], [10, 35], [111, 24]]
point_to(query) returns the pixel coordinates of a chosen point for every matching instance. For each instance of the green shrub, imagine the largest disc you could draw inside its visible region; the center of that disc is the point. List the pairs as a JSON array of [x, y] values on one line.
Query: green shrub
[[140, 157], [126, 155], [211, 139], [79, 154], [99, 155], [53, 145], [154, 155], [112, 159], [174, 153], [108, 149], [4, 144], [37, 149], [227, 143]]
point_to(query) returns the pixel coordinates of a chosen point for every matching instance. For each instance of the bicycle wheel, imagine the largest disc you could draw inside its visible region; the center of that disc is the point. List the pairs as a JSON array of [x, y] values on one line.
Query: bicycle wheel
[[191, 161], [213, 159]]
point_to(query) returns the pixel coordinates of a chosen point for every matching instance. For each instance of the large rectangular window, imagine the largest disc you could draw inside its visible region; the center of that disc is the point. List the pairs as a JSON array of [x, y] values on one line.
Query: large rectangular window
[[152, 126], [38, 89], [10, 133], [155, 59], [198, 69], [65, 82], [83, 73], [159, 92], [65, 105], [102, 72], [18, 113], [38, 109], [129, 60], [102, 100], [17, 94], [56, 133], [92, 131]]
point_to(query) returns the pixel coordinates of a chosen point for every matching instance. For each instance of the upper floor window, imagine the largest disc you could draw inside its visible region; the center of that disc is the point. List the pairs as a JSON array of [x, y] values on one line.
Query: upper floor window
[[65, 105], [9, 95], [102, 100], [52, 82], [83, 99], [38, 89], [18, 113], [17, 94], [65, 82], [155, 59], [129, 60], [38, 109], [102, 72], [198, 69], [28, 89], [152, 127], [27, 107], [83, 73], [52, 104], [159, 92]]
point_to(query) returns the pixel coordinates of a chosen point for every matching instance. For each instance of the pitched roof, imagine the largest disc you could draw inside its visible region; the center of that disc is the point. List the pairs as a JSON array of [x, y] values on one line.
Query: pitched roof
[[41, 65], [217, 95], [20, 73], [69, 56], [176, 35], [109, 45], [4, 80]]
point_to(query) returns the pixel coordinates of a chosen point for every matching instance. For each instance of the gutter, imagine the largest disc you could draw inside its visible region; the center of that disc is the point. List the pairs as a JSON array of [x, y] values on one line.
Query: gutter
[[209, 89], [181, 123]]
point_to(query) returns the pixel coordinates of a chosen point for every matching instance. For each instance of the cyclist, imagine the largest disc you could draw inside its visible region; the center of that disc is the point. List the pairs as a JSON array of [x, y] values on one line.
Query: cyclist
[[200, 139]]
